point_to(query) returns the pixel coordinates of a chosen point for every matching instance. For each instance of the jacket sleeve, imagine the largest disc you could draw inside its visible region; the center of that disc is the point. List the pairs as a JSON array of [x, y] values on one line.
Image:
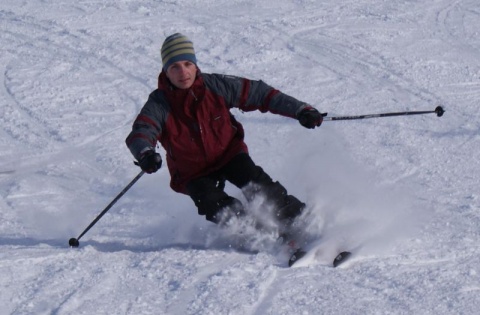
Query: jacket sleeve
[[249, 95], [148, 125]]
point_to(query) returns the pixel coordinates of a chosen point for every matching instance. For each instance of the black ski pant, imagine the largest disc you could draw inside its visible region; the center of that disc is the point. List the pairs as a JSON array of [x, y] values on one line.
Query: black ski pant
[[208, 193]]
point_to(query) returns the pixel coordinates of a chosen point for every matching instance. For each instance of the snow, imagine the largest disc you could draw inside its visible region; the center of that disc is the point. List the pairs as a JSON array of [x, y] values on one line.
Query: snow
[[401, 191]]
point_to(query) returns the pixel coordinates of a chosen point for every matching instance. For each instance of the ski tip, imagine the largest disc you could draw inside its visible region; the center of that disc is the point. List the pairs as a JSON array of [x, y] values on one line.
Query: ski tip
[[341, 258], [298, 254]]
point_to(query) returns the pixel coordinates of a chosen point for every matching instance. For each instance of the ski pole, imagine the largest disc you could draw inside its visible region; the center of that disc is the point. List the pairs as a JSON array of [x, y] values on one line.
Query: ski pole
[[73, 242], [438, 110]]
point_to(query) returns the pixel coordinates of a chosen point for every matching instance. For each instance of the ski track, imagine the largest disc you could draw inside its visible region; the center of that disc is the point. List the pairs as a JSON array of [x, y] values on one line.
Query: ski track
[[403, 190]]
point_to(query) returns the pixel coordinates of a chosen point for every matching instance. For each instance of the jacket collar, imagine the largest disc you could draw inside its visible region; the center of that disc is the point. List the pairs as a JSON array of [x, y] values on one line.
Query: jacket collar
[[195, 93]]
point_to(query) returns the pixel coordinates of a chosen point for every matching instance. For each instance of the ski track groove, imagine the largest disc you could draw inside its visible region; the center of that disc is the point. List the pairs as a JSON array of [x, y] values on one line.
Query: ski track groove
[[268, 292], [27, 116], [189, 294], [456, 35], [63, 52], [363, 63]]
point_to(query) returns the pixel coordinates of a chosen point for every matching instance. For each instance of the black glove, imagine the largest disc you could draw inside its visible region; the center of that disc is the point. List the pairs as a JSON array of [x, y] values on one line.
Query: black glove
[[150, 162], [310, 118]]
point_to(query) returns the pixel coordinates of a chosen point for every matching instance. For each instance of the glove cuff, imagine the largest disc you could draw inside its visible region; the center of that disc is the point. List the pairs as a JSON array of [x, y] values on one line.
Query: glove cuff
[[302, 108], [145, 151]]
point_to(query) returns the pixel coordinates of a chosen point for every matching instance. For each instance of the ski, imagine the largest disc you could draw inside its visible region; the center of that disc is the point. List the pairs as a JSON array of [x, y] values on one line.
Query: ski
[[300, 253], [341, 258]]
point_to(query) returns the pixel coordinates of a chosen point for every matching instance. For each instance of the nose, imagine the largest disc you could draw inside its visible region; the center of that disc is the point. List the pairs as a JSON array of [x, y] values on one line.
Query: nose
[[183, 70]]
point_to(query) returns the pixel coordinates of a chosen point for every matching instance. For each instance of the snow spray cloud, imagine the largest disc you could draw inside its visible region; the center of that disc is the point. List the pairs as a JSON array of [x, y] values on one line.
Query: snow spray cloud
[[346, 202], [256, 231]]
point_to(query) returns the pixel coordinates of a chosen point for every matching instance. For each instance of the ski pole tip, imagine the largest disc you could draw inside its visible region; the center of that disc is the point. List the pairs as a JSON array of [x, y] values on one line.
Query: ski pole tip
[[440, 111], [73, 242]]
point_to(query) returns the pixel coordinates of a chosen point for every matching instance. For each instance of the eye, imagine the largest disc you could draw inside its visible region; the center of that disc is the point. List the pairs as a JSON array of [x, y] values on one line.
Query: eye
[[175, 67]]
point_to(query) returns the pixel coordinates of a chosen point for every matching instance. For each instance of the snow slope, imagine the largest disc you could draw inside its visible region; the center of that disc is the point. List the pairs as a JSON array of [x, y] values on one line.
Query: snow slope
[[403, 191]]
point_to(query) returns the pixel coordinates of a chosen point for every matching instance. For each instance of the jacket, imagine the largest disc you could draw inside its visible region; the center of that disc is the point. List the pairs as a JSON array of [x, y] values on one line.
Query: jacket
[[195, 126]]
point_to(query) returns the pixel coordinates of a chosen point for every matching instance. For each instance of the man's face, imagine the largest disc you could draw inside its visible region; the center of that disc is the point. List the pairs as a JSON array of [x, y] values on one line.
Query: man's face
[[182, 74]]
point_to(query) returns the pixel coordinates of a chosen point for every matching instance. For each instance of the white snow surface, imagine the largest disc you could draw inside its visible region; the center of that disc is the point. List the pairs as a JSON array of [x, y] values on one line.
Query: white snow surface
[[401, 192]]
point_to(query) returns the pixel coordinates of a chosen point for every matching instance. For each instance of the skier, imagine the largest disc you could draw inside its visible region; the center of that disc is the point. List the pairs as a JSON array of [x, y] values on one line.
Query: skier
[[189, 114]]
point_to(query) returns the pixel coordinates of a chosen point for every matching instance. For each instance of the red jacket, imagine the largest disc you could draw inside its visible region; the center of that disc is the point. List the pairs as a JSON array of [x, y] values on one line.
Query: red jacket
[[195, 126]]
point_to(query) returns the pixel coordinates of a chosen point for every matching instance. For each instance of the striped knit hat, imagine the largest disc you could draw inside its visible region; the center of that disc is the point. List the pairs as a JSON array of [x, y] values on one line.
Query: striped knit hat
[[177, 47]]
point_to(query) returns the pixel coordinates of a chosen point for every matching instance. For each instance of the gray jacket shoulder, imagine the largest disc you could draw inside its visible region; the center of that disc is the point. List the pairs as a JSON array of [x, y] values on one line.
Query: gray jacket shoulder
[[251, 95], [229, 87], [156, 108], [149, 124]]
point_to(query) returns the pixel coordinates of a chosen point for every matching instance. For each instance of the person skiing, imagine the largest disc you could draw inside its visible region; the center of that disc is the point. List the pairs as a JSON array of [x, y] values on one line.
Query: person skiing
[[189, 114]]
